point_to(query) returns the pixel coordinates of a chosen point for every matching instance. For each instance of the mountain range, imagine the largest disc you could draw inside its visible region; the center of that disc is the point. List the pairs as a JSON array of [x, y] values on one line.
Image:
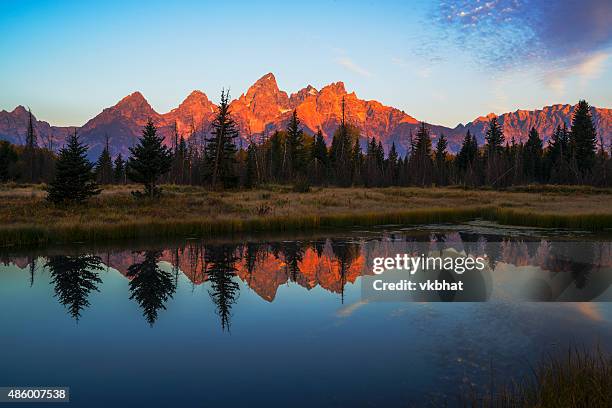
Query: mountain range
[[265, 108]]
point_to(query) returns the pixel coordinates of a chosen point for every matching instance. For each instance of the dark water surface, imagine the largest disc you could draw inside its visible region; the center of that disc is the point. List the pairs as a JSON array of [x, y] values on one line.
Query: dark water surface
[[280, 321]]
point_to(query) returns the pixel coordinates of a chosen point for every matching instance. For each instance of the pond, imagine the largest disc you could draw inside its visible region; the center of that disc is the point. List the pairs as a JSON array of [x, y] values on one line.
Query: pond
[[282, 321]]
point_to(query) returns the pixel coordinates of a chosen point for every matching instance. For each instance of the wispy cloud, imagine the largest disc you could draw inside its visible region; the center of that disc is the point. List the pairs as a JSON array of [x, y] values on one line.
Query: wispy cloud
[[584, 69], [420, 71], [506, 34], [352, 66]]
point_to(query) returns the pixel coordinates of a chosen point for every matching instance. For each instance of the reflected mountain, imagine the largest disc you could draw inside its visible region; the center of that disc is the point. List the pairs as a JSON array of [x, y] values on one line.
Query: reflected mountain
[[150, 286], [74, 277], [537, 270]]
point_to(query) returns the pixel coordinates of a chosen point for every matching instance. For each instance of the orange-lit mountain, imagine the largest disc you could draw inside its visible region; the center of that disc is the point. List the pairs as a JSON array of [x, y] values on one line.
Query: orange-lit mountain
[[517, 124], [265, 108]]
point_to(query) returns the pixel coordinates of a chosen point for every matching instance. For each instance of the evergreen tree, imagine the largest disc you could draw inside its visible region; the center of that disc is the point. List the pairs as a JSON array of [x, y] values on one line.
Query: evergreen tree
[[74, 179], [464, 156], [373, 166], [558, 144], [251, 167], [277, 143], [119, 170], [104, 166], [150, 160], [221, 148], [494, 138], [421, 163], [320, 159], [441, 161], [295, 145], [532, 156], [30, 150], [392, 166], [583, 137], [8, 157], [356, 162], [341, 152]]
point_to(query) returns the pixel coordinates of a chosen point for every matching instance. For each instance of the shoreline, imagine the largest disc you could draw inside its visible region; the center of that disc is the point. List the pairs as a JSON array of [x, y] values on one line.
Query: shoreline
[[193, 212]]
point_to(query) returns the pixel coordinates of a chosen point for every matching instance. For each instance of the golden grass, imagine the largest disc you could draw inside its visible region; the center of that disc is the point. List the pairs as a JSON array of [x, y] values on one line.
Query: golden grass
[[578, 379], [185, 211]]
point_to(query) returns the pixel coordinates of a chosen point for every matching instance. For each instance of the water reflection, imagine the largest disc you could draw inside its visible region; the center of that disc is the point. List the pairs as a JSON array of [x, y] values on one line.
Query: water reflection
[[224, 290], [527, 270], [150, 286], [73, 277]]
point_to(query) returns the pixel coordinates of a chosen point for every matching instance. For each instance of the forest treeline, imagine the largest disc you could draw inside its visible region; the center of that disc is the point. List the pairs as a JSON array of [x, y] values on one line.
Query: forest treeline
[[573, 155]]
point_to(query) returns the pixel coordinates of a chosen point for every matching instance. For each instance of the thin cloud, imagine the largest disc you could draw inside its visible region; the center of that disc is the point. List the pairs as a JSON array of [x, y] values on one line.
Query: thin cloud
[[585, 69], [512, 34], [422, 72], [352, 66]]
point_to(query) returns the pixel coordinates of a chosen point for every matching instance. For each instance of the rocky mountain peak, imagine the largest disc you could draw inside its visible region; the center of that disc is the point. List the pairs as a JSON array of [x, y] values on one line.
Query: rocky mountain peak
[[134, 104], [335, 88], [300, 96]]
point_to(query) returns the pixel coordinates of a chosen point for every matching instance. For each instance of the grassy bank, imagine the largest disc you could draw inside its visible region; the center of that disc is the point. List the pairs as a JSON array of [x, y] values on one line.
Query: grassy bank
[[578, 379], [26, 219]]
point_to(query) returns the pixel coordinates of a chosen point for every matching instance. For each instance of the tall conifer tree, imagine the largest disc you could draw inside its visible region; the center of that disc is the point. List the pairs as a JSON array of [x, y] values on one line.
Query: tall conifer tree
[[583, 137], [74, 179], [150, 160], [221, 148]]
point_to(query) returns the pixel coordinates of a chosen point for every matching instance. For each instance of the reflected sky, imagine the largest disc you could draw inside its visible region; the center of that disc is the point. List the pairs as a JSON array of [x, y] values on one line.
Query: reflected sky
[[275, 322]]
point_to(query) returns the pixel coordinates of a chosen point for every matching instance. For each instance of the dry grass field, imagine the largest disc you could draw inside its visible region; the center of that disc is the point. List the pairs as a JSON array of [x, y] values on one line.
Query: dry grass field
[[27, 219]]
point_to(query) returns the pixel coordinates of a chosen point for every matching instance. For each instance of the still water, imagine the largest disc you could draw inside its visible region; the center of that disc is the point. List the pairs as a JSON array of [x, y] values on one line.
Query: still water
[[282, 321]]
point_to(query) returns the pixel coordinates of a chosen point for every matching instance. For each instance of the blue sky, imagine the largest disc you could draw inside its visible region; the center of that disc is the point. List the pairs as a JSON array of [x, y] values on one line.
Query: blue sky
[[443, 62]]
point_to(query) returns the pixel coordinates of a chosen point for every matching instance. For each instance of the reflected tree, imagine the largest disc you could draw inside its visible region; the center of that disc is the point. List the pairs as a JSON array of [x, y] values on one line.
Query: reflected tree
[[224, 290], [150, 286], [345, 254], [250, 257], [32, 262], [294, 253], [74, 277]]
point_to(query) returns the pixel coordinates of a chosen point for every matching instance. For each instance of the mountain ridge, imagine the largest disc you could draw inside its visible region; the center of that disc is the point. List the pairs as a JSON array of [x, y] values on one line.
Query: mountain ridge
[[264, 108]]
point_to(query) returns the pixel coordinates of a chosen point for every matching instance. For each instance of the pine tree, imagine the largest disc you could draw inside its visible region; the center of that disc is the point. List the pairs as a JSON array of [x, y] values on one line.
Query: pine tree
[[277, 142], [494, 142], [441, 161], [30, 150], [494, 137], [74, 179], [583, 137], [392, 166], [340, 152], [356, 162], [463, 157], [150, 160], [374, 170], [295, 145], [221, 148], [532, 156], [251, 167], [119, 170], [8, 157], [558, 144], [441, 147], [421, 163], [104, 166], [320, 159]]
